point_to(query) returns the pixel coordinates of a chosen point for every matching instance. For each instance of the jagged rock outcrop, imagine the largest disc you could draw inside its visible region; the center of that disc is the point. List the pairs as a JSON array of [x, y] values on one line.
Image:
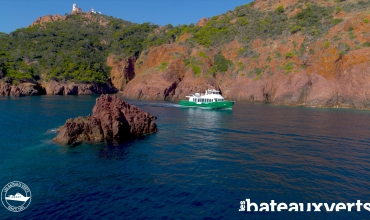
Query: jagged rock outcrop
[[202, 22], [122, 71], [22, 89], [49, 18], [112, 119], [89, 15], [70, 88]]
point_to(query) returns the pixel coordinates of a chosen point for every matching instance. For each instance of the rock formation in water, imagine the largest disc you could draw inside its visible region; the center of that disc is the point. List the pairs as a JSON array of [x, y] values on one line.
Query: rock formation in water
[[112, 119]]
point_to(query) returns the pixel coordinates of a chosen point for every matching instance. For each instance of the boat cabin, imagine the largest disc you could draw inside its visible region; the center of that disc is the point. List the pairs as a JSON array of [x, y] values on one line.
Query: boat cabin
[[193, 99], [211, 95]]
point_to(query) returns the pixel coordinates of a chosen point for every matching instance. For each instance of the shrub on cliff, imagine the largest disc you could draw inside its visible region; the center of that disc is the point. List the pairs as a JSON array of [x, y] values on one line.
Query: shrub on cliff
[[221, 64], [314, 19]]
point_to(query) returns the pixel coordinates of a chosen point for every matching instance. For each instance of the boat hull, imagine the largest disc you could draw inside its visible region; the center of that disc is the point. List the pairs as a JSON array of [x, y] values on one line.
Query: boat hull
[[212, 105]]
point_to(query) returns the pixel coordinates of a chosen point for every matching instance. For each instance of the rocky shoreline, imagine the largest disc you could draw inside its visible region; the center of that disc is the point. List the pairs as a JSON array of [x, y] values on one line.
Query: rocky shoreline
[[55, 88]]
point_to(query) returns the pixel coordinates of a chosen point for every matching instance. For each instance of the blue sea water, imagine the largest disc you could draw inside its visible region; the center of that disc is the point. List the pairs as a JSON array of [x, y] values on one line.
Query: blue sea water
[[199, 165]]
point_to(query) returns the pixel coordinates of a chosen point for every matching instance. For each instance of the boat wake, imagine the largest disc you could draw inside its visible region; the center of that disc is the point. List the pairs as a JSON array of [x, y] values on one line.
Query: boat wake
[[166, 105]]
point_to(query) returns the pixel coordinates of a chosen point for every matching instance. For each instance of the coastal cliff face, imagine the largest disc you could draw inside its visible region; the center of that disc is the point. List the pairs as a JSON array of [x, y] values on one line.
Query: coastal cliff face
[[333, 81], [328, 71], [111, 119], [22, 89]]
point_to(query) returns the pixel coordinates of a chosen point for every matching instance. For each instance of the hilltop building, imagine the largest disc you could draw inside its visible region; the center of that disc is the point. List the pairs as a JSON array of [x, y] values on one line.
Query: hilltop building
[[94, 12], [75, 9]]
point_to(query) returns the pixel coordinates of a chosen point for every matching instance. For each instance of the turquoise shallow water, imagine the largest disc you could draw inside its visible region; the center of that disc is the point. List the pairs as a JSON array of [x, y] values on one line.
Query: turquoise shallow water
[[200, 164]]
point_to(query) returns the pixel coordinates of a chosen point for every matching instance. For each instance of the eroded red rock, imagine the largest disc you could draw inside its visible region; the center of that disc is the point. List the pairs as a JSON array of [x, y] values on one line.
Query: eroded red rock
[[112, 119]]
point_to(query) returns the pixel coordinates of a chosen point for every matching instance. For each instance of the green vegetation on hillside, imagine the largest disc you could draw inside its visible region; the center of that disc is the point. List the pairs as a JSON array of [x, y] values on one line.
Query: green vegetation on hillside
[[72, 50]]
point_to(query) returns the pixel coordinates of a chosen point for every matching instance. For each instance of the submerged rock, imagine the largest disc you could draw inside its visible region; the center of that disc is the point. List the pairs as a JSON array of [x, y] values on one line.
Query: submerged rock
[[112, 119]]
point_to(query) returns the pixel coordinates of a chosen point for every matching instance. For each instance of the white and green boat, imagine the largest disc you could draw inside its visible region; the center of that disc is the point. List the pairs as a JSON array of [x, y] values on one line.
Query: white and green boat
[[211, 99]]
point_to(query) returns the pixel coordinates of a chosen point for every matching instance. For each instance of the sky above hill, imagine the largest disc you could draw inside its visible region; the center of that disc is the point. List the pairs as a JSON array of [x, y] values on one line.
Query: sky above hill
[[21, 13]]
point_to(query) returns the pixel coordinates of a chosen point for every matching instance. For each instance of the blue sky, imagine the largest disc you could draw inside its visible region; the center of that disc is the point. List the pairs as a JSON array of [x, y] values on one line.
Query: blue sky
[[21, 13]]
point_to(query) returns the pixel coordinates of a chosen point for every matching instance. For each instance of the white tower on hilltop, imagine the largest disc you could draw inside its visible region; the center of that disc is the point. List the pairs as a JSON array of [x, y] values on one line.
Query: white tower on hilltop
[[74, 7]]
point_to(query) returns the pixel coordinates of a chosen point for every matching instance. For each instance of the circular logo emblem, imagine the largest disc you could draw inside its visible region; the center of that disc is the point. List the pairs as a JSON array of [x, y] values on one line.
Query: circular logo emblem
[[16, 196]]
